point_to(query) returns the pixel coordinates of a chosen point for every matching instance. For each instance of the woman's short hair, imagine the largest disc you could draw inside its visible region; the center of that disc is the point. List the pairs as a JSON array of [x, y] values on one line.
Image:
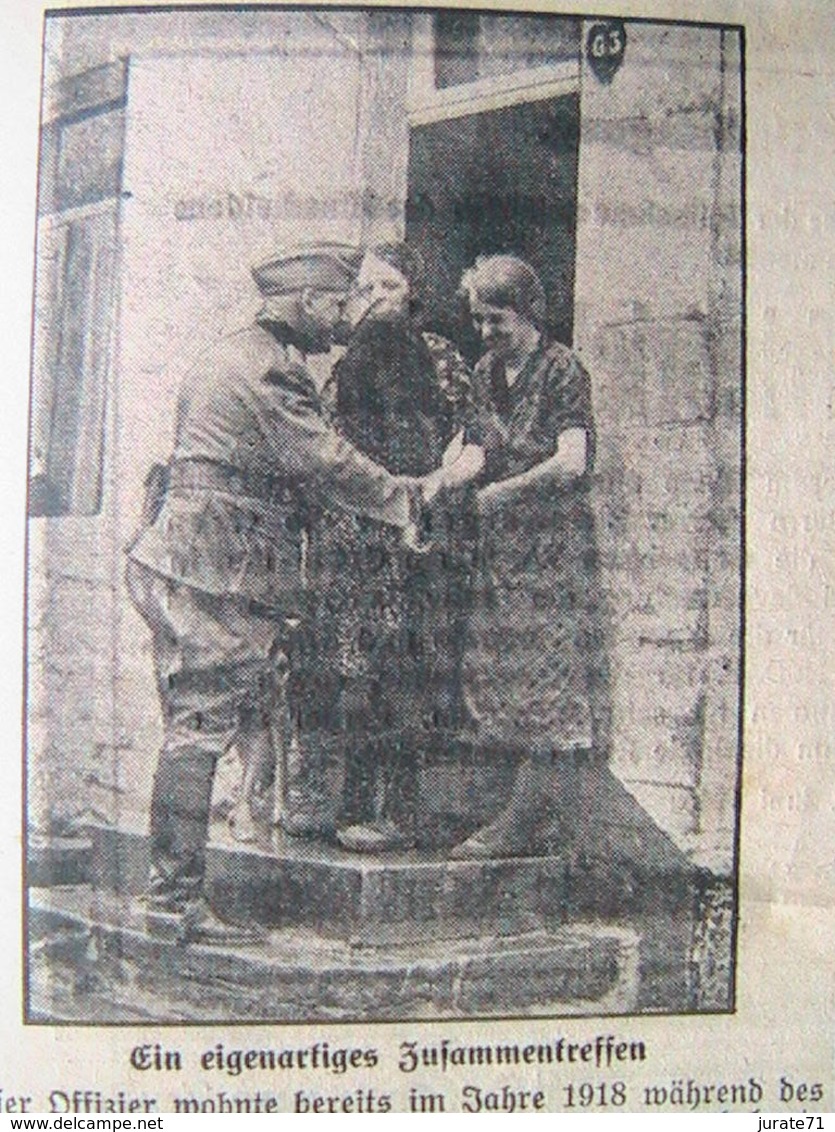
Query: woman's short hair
[[507, 281]]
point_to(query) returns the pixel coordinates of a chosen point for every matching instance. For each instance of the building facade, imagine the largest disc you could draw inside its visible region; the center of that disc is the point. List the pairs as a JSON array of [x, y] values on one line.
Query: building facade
[[180, 147]]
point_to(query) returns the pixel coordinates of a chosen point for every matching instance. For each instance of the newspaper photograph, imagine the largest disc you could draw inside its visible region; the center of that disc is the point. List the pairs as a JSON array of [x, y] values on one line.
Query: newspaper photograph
[[426, 563]]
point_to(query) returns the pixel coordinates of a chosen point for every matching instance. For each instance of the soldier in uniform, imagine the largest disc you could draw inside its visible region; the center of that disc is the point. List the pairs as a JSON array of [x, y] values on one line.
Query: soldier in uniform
[[220, 574]]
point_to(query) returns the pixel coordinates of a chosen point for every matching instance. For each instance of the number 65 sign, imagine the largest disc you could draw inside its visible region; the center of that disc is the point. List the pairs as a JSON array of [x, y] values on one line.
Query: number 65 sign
[[605, 47]]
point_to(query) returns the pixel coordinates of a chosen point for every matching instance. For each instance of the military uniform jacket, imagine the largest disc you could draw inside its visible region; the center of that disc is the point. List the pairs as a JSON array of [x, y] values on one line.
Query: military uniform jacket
[[250, 407]]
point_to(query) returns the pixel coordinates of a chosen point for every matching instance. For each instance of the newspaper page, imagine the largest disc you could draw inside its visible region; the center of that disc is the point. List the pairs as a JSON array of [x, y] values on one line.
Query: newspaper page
[[428, 595]]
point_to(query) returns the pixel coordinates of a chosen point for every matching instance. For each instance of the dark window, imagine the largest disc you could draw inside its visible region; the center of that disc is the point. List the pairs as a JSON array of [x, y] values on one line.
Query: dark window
[[501, 180], [74, 311], [90, 159], [82, 149], [83, 141]]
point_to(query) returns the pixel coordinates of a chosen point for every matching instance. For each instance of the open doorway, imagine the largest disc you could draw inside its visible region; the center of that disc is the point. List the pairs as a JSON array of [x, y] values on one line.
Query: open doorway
[[498, 180]]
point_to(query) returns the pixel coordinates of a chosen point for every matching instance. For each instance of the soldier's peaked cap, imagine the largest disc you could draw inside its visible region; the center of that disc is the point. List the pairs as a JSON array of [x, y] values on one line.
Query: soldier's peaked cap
[[327, 267]]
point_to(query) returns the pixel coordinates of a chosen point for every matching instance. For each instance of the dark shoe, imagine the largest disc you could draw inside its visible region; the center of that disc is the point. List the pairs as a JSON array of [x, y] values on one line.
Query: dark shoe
[[476, 847], [195, 922], [209, 928], [492, 843], [382, 836], [169, 924], [305, 826]]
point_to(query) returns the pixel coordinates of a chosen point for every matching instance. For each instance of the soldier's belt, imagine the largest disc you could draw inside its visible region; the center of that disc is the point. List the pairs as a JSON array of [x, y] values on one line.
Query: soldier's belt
[[208, 475]]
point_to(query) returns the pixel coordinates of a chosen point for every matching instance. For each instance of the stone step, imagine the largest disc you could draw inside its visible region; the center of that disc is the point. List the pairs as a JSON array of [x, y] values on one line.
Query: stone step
[[52, 861], [91, 959], [391, 898]]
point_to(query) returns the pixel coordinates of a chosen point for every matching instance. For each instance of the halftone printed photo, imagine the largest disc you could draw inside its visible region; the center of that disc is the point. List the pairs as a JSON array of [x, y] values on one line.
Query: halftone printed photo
[[384, 627]]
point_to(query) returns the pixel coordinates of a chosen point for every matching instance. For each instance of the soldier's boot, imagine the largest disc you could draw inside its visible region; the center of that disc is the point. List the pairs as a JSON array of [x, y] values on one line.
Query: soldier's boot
[[179, 826], [194, 921], [175, 909], [533, 819]]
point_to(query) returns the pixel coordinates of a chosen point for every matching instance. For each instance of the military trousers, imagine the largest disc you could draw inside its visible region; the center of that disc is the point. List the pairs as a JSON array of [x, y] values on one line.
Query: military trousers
[[219, 669]]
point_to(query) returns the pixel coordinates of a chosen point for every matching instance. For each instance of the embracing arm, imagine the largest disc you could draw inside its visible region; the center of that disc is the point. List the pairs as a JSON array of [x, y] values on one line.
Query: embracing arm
[[568, 463]]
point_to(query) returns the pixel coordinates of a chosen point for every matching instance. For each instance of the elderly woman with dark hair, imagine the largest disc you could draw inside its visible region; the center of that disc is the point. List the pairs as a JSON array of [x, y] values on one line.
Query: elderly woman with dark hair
[[529, 664], [399, 395], [400, 389]]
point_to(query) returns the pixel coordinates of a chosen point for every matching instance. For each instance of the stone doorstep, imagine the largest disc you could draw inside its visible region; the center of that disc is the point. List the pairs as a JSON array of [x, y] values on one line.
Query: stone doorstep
[[54, 861], [399, 897], [299, 976]]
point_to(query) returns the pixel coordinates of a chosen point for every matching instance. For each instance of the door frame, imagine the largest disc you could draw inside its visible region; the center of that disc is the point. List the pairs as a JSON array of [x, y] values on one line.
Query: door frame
[[428, 103]]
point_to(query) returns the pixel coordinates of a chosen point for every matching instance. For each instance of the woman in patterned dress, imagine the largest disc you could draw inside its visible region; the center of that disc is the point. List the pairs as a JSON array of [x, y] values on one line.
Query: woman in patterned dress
[[400, 394], [530, 662]]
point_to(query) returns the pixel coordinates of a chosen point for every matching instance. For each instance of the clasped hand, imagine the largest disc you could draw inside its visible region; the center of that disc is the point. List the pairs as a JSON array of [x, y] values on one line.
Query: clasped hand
[[462, 465]]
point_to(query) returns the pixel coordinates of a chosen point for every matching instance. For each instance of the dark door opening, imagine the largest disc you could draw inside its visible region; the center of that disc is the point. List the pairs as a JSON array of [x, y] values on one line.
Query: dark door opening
[[496, 181]]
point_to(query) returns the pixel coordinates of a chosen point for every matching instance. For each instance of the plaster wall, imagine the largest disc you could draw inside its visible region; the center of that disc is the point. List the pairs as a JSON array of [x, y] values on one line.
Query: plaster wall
[[233, 143], [658, 320]]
